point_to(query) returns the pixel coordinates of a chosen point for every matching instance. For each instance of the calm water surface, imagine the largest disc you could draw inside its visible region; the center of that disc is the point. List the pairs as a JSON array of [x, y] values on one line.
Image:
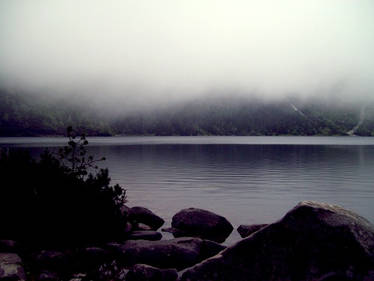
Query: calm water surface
[[246, 179]]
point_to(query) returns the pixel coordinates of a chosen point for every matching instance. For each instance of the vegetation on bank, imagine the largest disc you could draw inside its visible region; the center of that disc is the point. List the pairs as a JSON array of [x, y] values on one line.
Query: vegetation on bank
[[62, 198], [22, 115]]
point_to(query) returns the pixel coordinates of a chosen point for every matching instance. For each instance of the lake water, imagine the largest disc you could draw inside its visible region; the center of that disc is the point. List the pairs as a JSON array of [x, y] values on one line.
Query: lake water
[[246, 179]]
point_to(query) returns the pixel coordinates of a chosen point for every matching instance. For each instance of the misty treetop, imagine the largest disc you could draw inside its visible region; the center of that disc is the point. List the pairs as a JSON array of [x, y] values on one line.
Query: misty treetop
[[30, 115]]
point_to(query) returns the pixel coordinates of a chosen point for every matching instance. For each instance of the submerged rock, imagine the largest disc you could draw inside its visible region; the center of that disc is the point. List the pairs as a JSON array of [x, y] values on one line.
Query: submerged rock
[[313, 241], [200, 223], [246, 230], [176, 253], [143, 215], [143, 272], [11, 267]]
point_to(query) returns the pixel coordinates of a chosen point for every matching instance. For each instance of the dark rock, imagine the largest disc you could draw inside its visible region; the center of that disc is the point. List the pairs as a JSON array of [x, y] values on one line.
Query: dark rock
[[128, 227], [201, 223], [145, 235], [121, 275], [143, 272], [369, 276], [176, 232], [11, 267], [246, 230], [48, 276], [143, 215], [333, 276], [79, 277], [175, 253], [114, 249], [169, 229], [141, 227], [125, 211], [51, 260], [210, 248], [310, 242], [8, 246], [90, 258]]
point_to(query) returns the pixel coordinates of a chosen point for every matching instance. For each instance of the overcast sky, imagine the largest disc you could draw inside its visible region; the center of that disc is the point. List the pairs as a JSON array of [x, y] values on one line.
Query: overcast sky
[[186, 48]]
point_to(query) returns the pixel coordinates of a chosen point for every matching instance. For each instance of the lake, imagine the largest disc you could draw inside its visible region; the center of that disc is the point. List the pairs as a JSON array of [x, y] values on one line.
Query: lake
[[246, 179]]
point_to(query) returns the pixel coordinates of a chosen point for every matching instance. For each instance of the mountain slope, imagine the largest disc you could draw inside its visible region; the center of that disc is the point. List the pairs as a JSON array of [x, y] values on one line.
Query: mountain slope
[[31, 115]]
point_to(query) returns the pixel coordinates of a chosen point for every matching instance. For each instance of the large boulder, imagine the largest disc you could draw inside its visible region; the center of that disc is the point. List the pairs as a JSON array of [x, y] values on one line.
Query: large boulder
[[313, 241], [176, 253], [246, 230], [11, 267], [200, 223], [143, 272], [143, 215]]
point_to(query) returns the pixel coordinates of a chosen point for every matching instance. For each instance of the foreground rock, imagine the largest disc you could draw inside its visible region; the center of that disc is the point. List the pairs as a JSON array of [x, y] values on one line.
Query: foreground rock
[[52, 260], [90, 257], [48, 276], [143, 272], [246, 230], [11, 267], [313, 241], [175, 253], [200, 223], [143, 215]]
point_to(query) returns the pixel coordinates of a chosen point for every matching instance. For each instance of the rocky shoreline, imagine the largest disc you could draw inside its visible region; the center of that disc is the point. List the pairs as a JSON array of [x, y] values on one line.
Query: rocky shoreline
[[313, 241]]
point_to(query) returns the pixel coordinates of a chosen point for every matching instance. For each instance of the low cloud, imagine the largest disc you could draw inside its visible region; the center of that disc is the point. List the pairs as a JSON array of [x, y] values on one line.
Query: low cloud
[[158, 51]]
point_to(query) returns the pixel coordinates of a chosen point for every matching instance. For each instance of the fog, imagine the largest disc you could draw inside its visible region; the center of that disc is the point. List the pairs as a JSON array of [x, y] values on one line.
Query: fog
[[137, 51]]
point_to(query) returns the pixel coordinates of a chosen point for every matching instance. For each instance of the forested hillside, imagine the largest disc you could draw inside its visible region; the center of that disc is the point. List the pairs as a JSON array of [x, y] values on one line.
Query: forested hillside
[[30, 115]]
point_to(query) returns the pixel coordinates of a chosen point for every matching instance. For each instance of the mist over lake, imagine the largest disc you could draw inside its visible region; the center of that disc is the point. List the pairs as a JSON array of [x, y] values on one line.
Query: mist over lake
[[247, 179]]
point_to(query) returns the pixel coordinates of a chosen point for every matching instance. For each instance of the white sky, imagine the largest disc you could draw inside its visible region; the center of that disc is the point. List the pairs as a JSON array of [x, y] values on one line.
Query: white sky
[[186, 48]]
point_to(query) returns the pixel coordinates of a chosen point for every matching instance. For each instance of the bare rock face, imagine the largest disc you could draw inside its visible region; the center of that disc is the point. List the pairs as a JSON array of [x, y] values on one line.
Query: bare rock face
[[145, 216], [313, 241], [175, 253], [11, 267], [246, 230], [200, 223]]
